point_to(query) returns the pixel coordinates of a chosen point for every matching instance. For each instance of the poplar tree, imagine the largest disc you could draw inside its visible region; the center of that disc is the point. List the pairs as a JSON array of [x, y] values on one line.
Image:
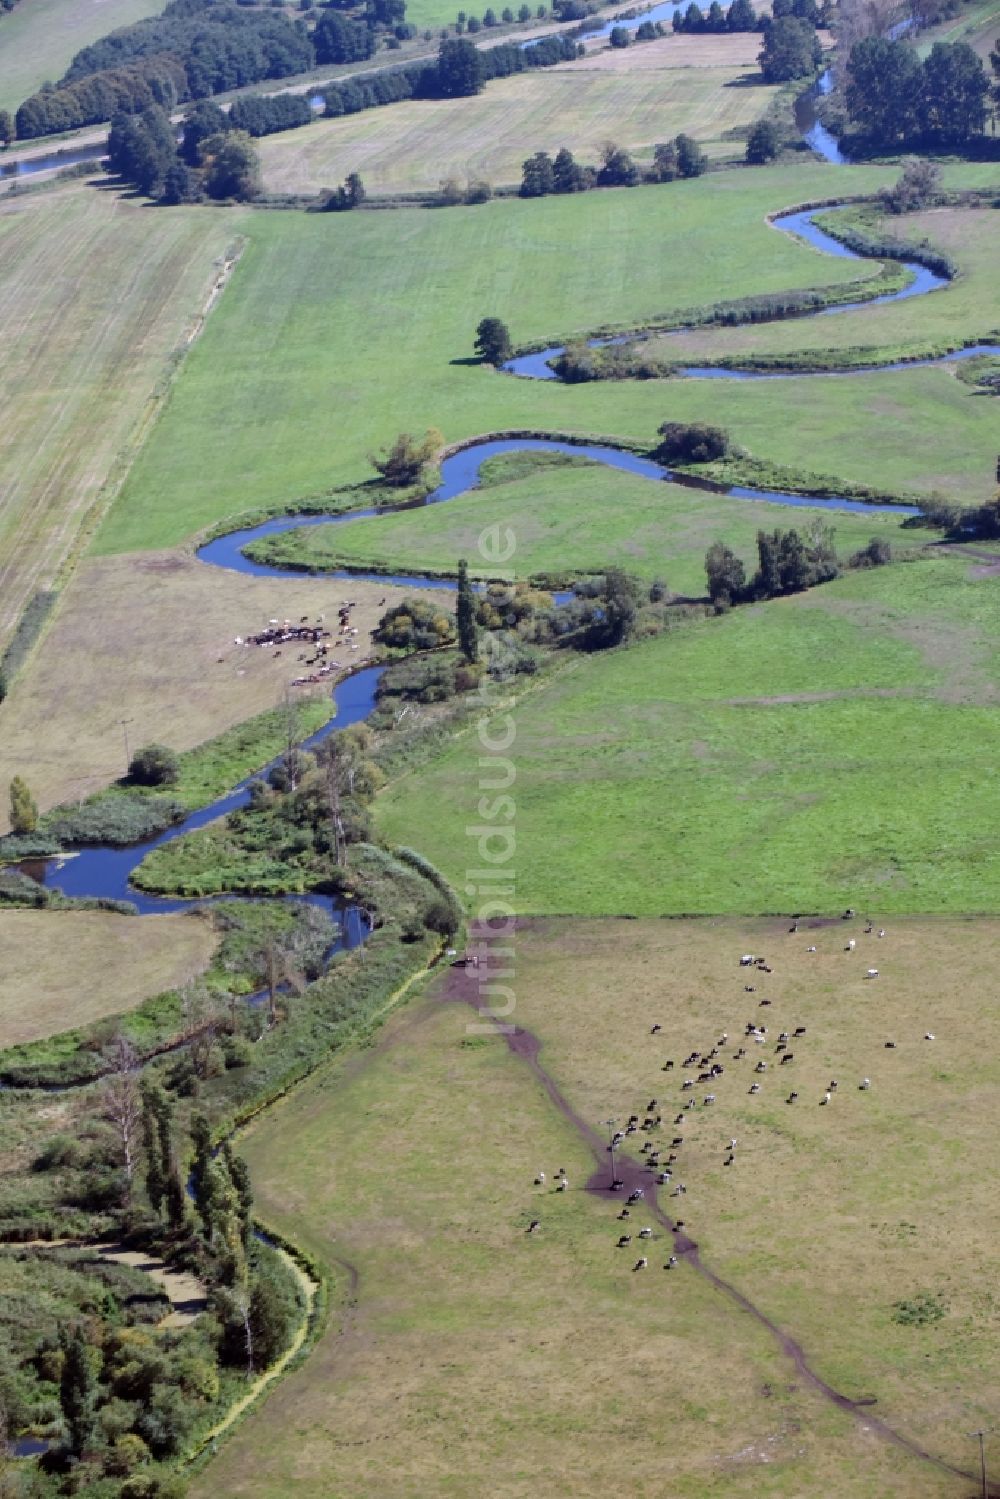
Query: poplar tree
[[465, 614]]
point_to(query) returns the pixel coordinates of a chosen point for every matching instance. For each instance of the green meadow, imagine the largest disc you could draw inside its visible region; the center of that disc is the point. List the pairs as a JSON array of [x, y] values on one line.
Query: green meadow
[[334, 335], [835, 748], [577, 518]]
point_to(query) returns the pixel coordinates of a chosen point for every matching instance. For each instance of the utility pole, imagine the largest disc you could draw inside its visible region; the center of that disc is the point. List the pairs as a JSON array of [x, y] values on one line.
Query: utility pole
[[982, 1459], [611, 1146], [128, 758]]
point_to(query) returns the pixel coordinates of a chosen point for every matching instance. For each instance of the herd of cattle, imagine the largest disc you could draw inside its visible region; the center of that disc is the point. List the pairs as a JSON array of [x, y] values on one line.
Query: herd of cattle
[[702, 1069]]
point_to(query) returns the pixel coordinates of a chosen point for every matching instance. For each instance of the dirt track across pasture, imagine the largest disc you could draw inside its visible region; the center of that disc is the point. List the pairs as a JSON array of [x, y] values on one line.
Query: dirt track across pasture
[[466, 984]]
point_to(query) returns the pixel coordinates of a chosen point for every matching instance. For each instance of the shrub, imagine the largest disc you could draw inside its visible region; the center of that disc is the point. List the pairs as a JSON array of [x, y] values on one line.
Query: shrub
[[404, 462], [878, 553], [154, 765], [442, 916], [691, 442], [762, 143]]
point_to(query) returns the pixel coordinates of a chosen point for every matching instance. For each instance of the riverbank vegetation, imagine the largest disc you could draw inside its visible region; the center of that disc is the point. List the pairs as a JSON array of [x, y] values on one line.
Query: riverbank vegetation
[[570, 520], [417, 355]]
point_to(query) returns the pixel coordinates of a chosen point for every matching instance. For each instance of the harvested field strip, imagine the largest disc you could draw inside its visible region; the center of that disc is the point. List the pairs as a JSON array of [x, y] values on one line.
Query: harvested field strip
[[95, 294], [419, 143]]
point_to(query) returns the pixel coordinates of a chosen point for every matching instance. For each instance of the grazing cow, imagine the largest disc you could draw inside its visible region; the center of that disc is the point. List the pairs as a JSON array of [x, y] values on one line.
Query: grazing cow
[[746, 960], [623, 1240], [788, 1057], [668, 1066], [864, 1084], [671, 1262], [810, 949], [563, 1186], [765, 1001], [928, 1036], [655, 1029], [723, 1039], [729, 1160], [677, 1141], [755, 1087], [540, 1179], [533, 1225], [761, 1067], [679, 1119], [641, 1263], [890, 1046], [851, 946], [833, 1085], [825, 1099], [663, 1178], [717, 1069], [687, 1083], [800, 1030], [872, 973], [709, 1098], [739, 1055], [651, 1104], [678, 1225], [645, 1233], [882, 932], [781, 1046], [783, 1036], [624, 1213], [791, 1098], [750, 988]]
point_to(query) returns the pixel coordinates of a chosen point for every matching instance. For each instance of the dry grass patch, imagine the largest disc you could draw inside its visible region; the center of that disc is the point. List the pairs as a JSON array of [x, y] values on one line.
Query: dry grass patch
[[418, 144], [830, 1215], [468, 1357], [150, 638], [64, 969], [96, 293]]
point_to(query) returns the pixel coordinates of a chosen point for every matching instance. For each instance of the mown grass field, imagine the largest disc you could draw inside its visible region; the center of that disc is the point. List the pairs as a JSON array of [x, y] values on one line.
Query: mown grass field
[[151, 638], [977, 24], [334, 335], [39, 37], [969, 308], [63, 969], [460, 1347], [418, 144], [96, 295], [576, 519], [807, 754]]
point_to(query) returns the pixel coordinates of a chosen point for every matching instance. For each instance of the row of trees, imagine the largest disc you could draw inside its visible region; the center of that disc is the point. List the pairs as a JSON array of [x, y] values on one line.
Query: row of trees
[[461, 70], [542, 174], [740, 16], [464, 22], [787, 563], [195, 49], [791, 49], [893, 97]]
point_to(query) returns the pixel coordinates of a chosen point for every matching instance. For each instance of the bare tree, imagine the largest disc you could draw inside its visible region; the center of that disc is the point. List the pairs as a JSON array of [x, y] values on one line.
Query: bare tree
[[122, 1105]]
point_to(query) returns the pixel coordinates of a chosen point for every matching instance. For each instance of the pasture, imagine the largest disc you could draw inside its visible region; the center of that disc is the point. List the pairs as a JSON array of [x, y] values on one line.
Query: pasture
[[967, 309], [151, 639], [98, 297], [334, 335], [824, 750], [65, 969], [39, 37], [458, 1344], [575, 518], [418, 144]]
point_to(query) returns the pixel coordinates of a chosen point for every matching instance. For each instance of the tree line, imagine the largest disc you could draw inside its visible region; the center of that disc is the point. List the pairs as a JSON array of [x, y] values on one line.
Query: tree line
[[787, 562], [893, 98], [195, 49], [542, 174], [461, 69]]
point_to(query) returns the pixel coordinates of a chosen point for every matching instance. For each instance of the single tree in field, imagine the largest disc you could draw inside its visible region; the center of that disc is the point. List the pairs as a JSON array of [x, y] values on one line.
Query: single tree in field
[[154, 765], [6, 127], [459, 68], [691, 159], [537, 176], [232, 166], [917, 185], [762, 143], [493, 341], [404, 462], [465, 614], [664, 168], [23, 808], [77, 1390], [726, 575], [791, 50], [567, 174]]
